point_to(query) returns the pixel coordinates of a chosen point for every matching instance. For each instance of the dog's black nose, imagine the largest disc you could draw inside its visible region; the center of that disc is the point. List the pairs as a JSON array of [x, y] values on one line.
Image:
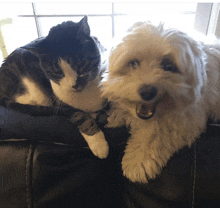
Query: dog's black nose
[[147, 92]]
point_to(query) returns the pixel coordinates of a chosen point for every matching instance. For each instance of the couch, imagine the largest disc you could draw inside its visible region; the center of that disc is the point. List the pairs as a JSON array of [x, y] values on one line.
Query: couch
[[45, 163]]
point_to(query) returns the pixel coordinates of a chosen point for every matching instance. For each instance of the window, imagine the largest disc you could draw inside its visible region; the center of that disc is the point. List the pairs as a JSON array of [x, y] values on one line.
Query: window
[[27, 21]]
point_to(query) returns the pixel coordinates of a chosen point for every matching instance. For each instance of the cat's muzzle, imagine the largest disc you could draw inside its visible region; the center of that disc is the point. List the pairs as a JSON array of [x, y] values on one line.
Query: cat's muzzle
[[81, 83]]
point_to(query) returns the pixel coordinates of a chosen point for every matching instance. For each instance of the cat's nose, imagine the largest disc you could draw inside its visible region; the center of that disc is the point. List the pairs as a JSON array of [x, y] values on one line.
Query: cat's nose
[[80, 84], [147, 92], [78, 88]]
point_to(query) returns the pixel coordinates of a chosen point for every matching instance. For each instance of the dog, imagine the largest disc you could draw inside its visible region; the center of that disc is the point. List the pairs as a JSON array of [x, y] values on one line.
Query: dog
[[164, 85]]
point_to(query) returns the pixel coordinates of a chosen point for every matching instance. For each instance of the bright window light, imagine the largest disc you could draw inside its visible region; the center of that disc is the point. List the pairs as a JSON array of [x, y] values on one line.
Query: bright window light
[[106, 20]]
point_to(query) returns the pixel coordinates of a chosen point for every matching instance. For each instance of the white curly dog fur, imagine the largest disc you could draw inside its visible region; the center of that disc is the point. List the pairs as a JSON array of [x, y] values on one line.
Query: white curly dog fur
[[163, 85]]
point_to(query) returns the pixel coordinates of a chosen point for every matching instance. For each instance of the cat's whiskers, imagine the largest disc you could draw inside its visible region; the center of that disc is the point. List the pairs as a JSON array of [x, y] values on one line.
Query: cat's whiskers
[[56, 104], [55, 101], [85, 66], [58, 107]]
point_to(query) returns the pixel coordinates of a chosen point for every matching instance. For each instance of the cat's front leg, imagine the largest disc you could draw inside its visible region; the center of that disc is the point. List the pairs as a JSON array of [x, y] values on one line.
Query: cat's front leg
[[94, 137], [97, 144]]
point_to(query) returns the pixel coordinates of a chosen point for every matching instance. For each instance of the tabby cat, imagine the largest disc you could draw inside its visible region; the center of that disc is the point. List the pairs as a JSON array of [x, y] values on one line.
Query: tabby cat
[[63, 68]]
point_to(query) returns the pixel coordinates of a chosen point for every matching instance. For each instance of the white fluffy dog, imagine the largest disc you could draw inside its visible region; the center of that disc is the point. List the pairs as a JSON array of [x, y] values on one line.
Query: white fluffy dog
[[163, 85]]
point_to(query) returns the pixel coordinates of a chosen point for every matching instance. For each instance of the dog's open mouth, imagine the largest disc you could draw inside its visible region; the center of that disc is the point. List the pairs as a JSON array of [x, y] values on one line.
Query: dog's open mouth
[[145, 110]]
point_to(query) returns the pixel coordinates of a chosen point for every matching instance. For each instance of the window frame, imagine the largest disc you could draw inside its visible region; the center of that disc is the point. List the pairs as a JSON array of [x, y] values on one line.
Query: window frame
[[38, 28], [207, 20], [200, 17]]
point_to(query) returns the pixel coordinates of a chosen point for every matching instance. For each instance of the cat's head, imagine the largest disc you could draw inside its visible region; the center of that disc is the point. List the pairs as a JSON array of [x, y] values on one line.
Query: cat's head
[[71, 43]]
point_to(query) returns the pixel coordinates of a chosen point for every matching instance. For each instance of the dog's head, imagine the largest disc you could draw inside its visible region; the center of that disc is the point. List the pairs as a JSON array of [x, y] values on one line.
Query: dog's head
[[154, 71]]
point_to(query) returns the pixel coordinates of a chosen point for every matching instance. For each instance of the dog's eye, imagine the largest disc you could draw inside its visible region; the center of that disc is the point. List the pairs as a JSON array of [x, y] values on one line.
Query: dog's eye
[[169, 66], [134, 64]]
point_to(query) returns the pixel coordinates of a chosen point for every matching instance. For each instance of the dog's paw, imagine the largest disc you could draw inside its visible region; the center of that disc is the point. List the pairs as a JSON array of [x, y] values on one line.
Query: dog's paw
[[116, 118], [97, 144], [138, 168]]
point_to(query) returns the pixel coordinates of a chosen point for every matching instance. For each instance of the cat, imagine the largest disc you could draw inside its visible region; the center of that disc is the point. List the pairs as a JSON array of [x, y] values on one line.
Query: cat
[[61, 69]]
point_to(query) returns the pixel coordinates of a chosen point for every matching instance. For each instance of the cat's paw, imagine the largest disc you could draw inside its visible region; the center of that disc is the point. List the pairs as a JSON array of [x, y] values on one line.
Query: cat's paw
[[138, 168], [101, 118], [97, 144], [100, 147]]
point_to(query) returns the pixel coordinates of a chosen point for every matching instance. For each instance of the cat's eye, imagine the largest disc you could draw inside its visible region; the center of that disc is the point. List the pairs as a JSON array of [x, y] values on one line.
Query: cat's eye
[[167, 65], [134, 64]]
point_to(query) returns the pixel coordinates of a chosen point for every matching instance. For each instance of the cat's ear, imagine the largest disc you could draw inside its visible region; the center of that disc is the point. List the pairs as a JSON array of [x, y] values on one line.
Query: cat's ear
[[84, 28]]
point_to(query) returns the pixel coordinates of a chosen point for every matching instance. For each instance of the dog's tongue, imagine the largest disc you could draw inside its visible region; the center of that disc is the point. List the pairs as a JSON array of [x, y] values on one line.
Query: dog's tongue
[[145, 110]]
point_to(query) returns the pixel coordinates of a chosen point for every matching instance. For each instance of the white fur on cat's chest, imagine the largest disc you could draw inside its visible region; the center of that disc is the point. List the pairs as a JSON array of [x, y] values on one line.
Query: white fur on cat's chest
[[88, 99]]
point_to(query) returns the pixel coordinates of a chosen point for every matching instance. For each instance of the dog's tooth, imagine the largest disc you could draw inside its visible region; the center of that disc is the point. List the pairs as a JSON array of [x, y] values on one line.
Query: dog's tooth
[[145, 110]]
